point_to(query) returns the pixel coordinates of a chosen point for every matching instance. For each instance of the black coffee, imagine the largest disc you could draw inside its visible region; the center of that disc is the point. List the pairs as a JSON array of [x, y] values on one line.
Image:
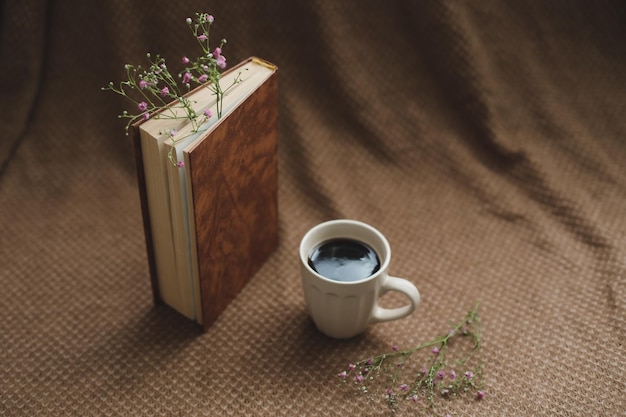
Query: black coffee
[[344, 260]]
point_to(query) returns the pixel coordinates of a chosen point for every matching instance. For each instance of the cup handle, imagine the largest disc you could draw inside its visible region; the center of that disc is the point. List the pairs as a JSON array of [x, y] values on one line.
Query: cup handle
[[380, 314]]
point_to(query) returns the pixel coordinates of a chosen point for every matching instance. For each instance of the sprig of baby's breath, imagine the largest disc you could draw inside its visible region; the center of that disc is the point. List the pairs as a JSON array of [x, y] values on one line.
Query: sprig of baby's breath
[[445, 367], [155, 92]]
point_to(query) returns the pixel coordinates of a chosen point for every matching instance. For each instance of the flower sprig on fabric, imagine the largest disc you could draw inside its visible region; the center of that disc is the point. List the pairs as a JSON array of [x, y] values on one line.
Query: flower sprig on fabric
[[155, 92], [437, 373]]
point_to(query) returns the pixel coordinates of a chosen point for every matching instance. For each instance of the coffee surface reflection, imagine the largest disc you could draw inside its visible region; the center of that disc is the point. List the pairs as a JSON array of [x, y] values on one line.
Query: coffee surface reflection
[[344, 260]]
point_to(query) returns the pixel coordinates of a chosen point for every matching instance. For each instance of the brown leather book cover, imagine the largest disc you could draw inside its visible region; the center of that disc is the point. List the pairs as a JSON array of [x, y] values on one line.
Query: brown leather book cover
[[234, 177]]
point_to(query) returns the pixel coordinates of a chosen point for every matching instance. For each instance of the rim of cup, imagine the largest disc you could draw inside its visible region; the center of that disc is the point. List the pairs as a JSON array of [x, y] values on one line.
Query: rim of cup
[[344, 224]]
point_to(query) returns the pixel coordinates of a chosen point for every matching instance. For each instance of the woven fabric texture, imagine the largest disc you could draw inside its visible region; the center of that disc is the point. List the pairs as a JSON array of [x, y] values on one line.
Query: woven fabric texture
[[485, 139]]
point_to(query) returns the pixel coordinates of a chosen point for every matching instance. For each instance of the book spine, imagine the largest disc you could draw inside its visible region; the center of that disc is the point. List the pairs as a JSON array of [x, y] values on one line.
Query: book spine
[[145, 211]]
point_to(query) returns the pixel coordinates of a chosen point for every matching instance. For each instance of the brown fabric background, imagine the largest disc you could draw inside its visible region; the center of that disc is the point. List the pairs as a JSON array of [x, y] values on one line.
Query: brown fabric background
[[485, 139]]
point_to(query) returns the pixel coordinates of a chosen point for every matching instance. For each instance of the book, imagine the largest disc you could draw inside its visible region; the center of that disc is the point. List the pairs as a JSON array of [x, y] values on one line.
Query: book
[[211, 223]]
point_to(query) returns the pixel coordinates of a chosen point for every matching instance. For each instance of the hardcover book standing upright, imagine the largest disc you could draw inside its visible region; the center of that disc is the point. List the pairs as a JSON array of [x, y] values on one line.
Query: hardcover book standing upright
[[211, 224]]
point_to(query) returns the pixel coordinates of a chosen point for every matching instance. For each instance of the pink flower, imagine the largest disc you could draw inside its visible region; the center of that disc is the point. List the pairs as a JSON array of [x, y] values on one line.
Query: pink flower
[[165, 91], [185, 60], [480, 395], [180, 164], [441, 374], [209, 114], [143, 106], [358, 378], [186, 78], [217, 52], [146, 116], [469, 375], [203, 37], [351, 366], [210, 18], [394, 348], [221, 61], [143, 84], [404, 387], [342, 374], [203, 78], [452, 375], [435, 350]]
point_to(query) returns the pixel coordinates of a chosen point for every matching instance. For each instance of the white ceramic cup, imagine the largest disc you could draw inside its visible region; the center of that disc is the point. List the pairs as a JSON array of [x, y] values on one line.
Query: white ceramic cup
[[345, 309]]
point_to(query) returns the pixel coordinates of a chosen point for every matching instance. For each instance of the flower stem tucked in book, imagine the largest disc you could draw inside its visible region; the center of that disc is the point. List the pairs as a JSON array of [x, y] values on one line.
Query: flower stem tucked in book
[[155, 92]]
